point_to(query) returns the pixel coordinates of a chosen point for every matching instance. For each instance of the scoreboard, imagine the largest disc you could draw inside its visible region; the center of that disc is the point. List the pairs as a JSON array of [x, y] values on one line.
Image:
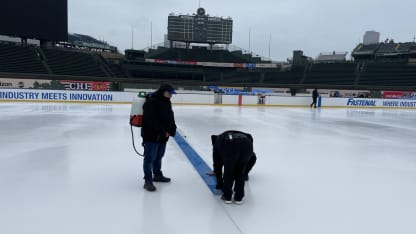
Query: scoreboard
[[38, 19], [200, 28]]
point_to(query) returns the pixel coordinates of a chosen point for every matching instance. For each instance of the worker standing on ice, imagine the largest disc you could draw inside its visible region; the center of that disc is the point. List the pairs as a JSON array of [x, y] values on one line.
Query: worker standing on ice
[[158, 125], [231, 150], [315, 96]]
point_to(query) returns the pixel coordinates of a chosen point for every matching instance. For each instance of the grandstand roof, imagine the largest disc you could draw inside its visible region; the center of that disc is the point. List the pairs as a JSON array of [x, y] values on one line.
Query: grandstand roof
[[365, 49], [75, 37], [385, 49], [331, 57], [407, 46], [88, 41]]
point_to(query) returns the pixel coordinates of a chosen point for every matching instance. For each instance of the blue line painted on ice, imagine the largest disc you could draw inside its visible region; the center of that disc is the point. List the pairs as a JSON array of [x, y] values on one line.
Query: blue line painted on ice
[[319, 101], [199, 164]]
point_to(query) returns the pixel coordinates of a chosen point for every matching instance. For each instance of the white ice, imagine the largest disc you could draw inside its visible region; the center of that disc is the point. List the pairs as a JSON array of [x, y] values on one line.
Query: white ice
[[71, 169]]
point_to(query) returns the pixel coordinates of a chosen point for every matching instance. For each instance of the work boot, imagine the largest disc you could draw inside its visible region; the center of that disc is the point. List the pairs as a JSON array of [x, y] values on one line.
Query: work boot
[[226, 201], [161, 178], [148, 185], [238, 201]]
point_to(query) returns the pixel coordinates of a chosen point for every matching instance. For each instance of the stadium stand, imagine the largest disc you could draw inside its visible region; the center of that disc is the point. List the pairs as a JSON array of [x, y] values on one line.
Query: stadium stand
[[74, 63], [87, 42], [387, 48], [331, 74], [385, 52], [406, 47], [388, 74], [284, 78], [365, 52], [18, 59], [117, 71], [163, 71], [201, 54], [384, 65], [333, 57]]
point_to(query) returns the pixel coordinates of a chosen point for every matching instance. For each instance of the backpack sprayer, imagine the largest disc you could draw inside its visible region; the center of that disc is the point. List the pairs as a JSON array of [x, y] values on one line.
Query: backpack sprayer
[[136, 116]]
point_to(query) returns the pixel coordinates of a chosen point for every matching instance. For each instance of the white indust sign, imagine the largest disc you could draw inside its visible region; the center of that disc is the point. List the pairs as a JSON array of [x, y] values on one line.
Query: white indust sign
[[65, 96]]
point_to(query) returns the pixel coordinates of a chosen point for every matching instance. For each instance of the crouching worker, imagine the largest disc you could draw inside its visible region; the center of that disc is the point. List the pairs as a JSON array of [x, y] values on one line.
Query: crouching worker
[[158, 125], [232, 150]]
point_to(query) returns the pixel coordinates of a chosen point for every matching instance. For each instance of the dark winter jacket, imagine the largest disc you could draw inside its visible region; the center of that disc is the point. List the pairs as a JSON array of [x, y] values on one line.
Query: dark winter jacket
[[220, 144], [158, 118], [315, 94]]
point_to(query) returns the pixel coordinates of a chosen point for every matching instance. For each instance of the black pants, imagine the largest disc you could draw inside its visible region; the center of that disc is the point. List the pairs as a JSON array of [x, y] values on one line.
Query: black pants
[[236, 155], [250, 163], [314, 99]]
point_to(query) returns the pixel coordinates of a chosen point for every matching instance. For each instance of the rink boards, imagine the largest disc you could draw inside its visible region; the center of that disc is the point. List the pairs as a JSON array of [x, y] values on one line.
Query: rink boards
[[198, 98]]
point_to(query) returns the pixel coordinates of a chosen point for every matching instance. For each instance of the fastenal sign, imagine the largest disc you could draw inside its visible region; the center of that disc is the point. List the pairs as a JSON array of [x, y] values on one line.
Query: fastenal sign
[[361, 102], [390, 103]]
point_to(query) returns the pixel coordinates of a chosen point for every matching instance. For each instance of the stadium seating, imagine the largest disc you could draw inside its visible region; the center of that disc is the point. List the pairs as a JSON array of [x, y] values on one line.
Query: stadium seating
[[19, 59], [74, 63], [201, 54], [164, 71], [331, 74], [290, 77], [242, 76], [388, 74], [117, 70], [400, 72]]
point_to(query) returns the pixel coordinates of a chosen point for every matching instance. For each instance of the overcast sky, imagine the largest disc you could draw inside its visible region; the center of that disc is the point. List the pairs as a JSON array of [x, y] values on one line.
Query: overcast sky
[[313, 26]]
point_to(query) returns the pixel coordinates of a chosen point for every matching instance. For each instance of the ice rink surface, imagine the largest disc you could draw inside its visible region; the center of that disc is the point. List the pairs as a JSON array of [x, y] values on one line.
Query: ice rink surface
[[71, 169]]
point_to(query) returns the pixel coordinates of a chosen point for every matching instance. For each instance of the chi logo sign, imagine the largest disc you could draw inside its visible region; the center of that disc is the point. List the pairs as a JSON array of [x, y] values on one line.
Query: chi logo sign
[[79, 86]]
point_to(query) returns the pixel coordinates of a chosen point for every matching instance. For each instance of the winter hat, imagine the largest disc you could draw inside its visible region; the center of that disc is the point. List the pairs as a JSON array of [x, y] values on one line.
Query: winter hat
[[167, 87]]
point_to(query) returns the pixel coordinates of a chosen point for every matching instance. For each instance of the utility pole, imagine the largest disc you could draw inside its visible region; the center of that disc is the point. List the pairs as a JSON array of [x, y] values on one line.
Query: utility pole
[[270, 43], [132, 37], [151, 34], [249, 40]]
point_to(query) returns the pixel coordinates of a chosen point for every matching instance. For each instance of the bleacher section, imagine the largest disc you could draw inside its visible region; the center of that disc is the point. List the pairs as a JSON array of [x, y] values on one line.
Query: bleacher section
[[17, 59], [58, 62], [283, 78], [242, 76], [391, 74], [73, 63], [384, 52], [331, 74], [117, 70], [163, 71], [201, 55]]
